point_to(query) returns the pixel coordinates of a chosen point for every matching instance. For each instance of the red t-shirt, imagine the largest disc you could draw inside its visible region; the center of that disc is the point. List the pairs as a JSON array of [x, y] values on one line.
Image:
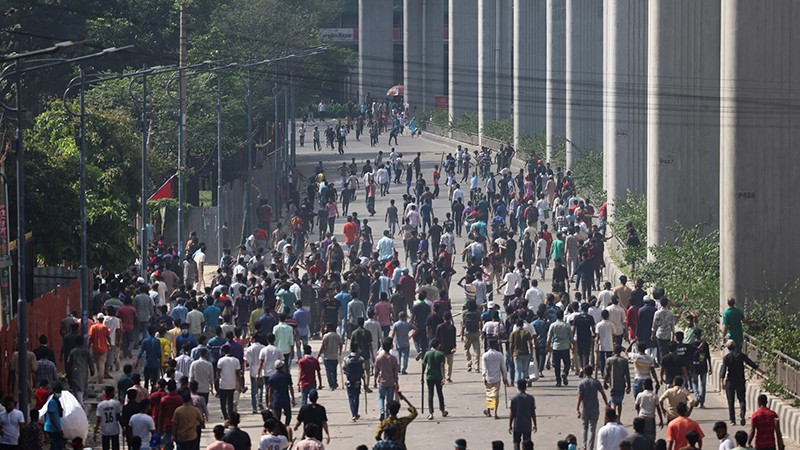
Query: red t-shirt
[[99, 335], [308, 371], [42, 394], [266, 213], [632, 316], [127, 315], [383, 311], [677, 429], [350, 233], [763, 421], [169, 403]]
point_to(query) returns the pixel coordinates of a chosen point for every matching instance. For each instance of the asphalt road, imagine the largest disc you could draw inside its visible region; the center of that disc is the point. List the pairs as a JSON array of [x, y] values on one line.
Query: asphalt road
[[465, 396]]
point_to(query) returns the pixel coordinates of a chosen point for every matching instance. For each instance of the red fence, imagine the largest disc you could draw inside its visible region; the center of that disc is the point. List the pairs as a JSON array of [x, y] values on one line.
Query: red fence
[[44, 318]]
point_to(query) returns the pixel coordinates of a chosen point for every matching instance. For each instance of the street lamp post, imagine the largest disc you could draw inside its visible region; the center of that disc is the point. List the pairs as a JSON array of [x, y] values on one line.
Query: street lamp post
[[143, 244]]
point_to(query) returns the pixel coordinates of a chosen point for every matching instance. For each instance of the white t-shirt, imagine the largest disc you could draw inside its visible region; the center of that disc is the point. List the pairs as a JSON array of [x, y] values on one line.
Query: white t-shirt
[[268, 356], [610, 436], [541, 249], [227, 367], [112, 323], [458, 194], [512, 280], [647, 401], [251, 355], [141, 425], [480, 292], [605, 335], [535, 297], [108, 412], [604, 298], [270, 442], [11, 421], [726, 443]]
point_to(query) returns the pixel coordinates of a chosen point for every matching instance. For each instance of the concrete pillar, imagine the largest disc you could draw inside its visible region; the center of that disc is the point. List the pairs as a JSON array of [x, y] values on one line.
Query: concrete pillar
[[423, 55], [494, 61], [759, 138], [683, 116], [625, 97], [556, 57], [530, 67], [584, 77], [375, 48], [463, 57]]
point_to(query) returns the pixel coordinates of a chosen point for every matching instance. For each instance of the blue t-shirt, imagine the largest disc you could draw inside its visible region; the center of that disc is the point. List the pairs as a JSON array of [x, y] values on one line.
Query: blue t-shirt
[[179, 312], [151, 349], [303, 318], [344, 298], [280, 383], [541, 328], [52, 421], [267, 324], [211, 316], [182, 341]]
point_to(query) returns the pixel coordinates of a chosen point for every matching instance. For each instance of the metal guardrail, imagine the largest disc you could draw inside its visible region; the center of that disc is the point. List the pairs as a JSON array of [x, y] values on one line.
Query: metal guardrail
[[783, 369]]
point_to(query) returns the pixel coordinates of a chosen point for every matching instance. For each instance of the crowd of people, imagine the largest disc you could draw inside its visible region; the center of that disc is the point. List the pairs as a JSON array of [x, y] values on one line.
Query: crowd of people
[[363, 300]]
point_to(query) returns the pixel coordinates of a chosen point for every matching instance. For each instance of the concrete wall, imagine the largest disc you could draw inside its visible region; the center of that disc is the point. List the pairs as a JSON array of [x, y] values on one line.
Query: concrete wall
[[759, 138], [625, 97], [494, 61], [683, 116], [556, 60], [530, 66], [584, 77], [463, 57], [375, 48], [423, 59]]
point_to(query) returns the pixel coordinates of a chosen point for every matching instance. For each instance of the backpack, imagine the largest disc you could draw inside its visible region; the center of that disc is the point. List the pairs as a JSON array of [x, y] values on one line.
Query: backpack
[[472, 322]]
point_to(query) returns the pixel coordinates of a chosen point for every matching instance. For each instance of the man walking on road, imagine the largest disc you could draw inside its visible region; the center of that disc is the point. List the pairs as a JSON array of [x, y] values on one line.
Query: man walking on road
[[522, 415], [732, 376], [433, 376], [493, 372], [765, 427], [588, 407], [387, 376], [559, 340]]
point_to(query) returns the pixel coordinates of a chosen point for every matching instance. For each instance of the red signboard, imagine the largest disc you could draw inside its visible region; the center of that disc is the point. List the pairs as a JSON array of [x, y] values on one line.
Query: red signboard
[[442, 102]]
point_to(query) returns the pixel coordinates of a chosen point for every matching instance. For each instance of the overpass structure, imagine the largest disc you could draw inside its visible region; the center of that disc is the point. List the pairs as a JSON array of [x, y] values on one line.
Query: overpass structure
[[694, 103]]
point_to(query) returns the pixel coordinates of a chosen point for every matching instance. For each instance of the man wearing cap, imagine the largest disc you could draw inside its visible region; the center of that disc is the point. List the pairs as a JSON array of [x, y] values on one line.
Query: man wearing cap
[[732, 377], [280, 395]]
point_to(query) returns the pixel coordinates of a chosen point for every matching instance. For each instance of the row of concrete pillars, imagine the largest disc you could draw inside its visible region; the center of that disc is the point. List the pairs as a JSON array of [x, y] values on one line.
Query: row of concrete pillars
[[692, 102]]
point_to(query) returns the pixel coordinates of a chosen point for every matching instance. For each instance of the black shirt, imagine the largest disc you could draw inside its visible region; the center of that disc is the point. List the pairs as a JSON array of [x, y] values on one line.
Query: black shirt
[[239, 439], [330, 310], [685, 352], [421, 311], [44, 352], [432, 323], [733, 364], [637, 297], [584, 324], [559, 274], [699, 358], [313, 413], [672, 365]]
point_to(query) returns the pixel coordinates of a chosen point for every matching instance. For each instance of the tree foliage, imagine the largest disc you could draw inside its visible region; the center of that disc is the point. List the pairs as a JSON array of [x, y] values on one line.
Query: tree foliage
[[632, 208]]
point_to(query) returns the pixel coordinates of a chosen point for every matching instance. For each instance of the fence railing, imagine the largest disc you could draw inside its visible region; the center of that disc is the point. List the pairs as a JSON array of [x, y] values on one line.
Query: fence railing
[[782, 369]]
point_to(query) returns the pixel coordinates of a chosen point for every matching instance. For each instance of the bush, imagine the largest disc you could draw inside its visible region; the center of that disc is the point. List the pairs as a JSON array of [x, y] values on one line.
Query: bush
[[588, 174], [632, 208], [773, 322], [466, 123], [688, 269], [500, 129], [438, 117], [532, 145]]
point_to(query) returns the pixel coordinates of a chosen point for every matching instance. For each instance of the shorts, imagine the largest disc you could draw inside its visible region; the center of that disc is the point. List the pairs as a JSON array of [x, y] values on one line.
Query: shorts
[[616, 399]]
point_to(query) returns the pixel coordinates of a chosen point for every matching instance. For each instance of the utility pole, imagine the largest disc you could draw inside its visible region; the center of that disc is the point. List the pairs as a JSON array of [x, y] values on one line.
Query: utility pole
[[181, 119]]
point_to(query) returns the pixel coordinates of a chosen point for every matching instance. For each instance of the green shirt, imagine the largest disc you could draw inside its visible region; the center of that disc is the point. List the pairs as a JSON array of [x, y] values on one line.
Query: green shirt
[[284, 337], [559, 335], [557, 251], [434, 359], [733, 317]]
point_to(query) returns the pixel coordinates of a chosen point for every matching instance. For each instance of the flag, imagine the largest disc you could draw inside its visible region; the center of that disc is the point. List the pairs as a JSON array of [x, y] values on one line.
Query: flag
[[165, 191]]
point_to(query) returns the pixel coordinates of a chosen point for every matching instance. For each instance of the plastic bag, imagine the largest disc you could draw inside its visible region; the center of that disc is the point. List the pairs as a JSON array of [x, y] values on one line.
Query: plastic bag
[[533, 371], [74, 422]]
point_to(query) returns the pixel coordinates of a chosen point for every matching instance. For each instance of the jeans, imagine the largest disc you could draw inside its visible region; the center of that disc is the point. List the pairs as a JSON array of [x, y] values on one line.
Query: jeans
[[521, 363], [663, 348], [57, 441], [735, 391], [385, 395], [699, 386], [559, 357], [256, 393], [331, 366], [141, 332], [304, 394], [150, 376], [510, 365], [226, 402], [166, 440], [300, 344], [286, 411], [111, 442], [353, 394], [589, 429], [437, 385], [402, 353], [541, 357], [638, 386], [601, 364], [519, 436], [584, 353]]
